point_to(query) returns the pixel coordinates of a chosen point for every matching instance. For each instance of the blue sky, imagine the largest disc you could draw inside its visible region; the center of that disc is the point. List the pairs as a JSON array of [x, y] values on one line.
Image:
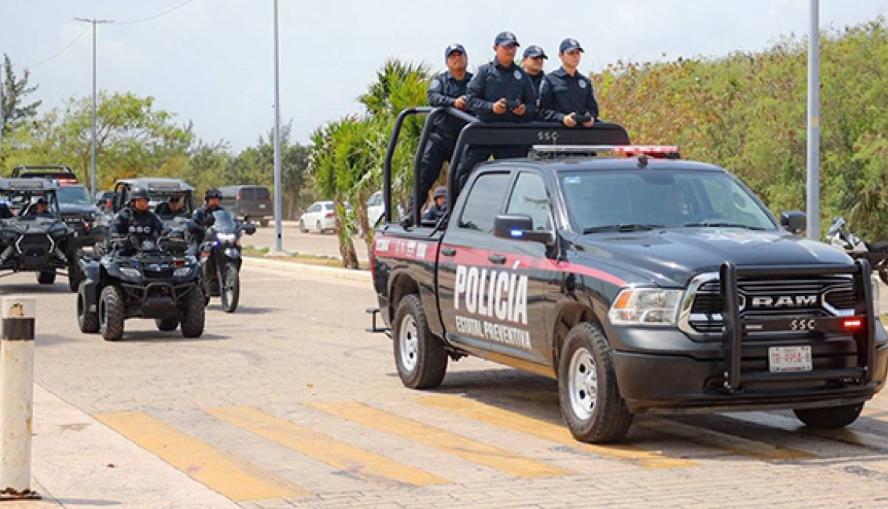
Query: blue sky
[[211, 61]]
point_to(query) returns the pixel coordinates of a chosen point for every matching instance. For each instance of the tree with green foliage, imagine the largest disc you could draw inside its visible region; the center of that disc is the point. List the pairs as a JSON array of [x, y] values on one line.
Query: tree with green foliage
[[14, 111]]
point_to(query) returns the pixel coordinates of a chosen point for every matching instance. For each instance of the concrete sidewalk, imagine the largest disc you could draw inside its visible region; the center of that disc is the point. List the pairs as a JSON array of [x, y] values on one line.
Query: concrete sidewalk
[[78, 462]]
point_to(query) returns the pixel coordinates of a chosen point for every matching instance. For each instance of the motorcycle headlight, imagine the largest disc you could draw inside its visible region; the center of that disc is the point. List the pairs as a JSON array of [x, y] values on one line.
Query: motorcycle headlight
[[646, 306], [182, 272], [130, 272], [226, 237]]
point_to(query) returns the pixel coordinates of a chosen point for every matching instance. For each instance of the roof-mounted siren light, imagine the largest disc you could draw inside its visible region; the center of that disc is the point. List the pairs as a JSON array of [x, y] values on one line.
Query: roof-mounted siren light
[[657, 151]]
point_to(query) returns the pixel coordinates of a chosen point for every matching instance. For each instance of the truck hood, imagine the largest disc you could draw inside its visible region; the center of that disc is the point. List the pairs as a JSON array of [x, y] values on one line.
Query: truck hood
[[672, 257]]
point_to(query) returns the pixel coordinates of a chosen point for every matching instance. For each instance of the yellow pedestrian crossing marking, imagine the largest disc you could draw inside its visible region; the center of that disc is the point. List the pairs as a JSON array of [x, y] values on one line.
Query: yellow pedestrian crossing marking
[[726, 442], [437, 438], [729, 443], [231, 477], [357, 462], [557, 433]]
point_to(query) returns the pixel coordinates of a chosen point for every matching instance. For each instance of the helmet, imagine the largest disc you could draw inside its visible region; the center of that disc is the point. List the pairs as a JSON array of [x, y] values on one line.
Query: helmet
[[440, 191], [139, 192], [212, 193]]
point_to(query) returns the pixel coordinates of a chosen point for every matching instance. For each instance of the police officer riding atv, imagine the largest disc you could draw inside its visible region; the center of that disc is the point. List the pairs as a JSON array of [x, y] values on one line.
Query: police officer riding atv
[[217, 234], [145, 274], [33, 237]]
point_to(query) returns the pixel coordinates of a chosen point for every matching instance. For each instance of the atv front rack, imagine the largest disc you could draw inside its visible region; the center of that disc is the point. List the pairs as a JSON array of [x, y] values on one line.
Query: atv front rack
[[735, 328]]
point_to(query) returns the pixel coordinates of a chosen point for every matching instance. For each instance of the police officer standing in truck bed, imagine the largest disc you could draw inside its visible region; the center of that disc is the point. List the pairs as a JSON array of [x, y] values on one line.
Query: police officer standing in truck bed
[[446, 90], [500, 92], [566, 96]]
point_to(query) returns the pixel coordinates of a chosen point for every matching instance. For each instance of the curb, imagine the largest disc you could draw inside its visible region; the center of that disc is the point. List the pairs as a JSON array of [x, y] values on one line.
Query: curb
[[354, 275]]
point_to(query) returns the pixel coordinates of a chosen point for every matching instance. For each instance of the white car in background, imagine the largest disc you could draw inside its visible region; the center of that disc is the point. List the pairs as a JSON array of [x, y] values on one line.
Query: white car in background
[[375, 208], [318, 218]]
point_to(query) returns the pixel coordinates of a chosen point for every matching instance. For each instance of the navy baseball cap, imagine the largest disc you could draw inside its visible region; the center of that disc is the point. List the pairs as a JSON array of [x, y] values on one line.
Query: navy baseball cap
[[570, 45], [534, 51], [452, 48], [506, 39]]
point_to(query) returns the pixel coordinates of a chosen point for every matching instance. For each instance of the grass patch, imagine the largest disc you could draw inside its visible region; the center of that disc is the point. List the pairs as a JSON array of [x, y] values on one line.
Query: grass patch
[[324, 261]]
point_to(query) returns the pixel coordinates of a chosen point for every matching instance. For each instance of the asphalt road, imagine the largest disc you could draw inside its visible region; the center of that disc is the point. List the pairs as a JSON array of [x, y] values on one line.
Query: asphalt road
[[289, 402]]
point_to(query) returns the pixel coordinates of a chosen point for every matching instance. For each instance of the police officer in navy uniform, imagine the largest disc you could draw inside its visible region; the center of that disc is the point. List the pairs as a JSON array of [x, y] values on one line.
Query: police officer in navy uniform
[[136, 220], [447, 89], [202, 218], [439, 206], [500, 92], [533, 66], [566, 96]]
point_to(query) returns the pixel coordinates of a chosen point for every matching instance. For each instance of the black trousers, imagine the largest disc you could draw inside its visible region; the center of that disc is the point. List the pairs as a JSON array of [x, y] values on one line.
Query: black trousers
[[437, 150]]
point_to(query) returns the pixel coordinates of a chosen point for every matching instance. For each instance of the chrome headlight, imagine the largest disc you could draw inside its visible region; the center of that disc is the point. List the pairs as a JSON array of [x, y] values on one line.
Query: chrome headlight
[[646, 306], [130, 272], [182, 272]]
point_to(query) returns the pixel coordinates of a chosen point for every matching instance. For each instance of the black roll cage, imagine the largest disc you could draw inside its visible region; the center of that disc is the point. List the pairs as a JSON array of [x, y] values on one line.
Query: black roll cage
[[476, 132]]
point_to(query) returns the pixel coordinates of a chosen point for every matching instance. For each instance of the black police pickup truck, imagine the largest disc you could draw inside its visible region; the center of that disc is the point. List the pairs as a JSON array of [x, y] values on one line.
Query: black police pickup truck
[[640, 281]]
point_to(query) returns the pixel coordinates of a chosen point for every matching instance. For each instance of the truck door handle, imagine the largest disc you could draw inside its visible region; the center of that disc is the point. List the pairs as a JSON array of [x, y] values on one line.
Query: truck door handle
[[448, 251], [497, 258]]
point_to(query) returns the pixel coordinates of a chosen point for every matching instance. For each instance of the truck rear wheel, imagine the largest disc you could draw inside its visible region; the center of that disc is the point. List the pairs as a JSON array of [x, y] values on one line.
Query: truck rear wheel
[[419, 355], [587, 387], [829, 417]]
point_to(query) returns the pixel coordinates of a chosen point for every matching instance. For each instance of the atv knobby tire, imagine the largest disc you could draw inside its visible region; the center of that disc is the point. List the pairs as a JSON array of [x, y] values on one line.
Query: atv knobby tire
[[111, 313], [193, 313]]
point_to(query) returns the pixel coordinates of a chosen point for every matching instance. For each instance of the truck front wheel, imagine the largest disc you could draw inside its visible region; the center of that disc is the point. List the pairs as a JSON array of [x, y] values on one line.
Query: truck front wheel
[[419, 355], [587, 387], [829, 417]]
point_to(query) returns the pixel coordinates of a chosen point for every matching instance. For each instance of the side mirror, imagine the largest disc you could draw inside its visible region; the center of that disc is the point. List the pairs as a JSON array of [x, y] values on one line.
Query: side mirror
[[794, 222], [520, 227]]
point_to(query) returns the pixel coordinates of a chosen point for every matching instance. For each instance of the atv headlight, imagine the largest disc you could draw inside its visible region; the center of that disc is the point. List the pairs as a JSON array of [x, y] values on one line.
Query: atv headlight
[[182, 272], [646, 306], [130, 272]]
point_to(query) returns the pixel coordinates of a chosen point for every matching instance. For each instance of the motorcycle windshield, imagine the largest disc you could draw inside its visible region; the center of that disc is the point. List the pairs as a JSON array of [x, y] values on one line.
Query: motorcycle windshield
[[224, 221]]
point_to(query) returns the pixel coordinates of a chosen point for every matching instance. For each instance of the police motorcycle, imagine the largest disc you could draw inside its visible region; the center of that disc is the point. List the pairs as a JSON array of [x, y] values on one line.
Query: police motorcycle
[[141, 277], [220, 258], [876, 253]]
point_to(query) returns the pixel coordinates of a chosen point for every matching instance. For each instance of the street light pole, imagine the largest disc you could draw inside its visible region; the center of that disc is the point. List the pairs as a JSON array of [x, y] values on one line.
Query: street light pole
[[278, 244], [813, 186], [92, 174]]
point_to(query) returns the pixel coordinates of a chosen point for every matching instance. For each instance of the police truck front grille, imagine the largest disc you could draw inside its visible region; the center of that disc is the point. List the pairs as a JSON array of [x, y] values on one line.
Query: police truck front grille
[[772, 298], [34, 244]]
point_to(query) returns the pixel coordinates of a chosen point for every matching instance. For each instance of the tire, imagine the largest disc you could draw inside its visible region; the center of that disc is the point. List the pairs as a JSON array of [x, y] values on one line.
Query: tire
[[302, 228], [586, 366], [230, 291], [46, 277], [829, 417], [111, 313], [87, 322], [167, 324], [193, 314], [419, 356], [263, 223]]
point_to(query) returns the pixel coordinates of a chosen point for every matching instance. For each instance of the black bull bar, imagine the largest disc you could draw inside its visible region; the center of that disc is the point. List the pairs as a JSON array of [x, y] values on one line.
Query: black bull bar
[[736, 328]]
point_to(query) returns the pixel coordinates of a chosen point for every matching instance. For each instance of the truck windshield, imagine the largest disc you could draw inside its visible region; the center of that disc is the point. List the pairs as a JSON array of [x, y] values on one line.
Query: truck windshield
[[643, 200], [73, 194]]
